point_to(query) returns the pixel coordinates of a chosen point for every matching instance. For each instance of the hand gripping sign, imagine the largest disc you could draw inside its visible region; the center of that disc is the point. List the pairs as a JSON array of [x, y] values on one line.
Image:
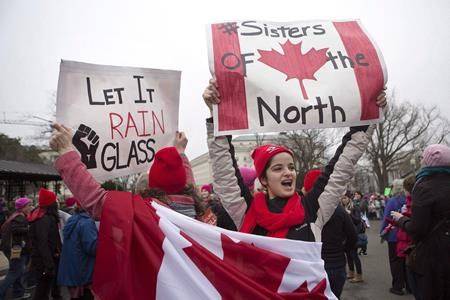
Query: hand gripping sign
[[120, 115], [276, 77]]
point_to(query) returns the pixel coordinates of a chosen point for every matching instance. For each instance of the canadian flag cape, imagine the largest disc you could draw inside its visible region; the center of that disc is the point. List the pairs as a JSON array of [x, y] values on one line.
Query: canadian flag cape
[[148, 251]]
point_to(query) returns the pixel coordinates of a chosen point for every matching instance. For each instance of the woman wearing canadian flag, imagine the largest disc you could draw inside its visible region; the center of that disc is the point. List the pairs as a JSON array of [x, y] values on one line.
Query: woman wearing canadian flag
[[281, 212]]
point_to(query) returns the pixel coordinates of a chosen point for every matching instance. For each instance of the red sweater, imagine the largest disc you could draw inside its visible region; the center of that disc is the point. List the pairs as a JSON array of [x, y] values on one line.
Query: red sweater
[[85, 188], [403, 239]]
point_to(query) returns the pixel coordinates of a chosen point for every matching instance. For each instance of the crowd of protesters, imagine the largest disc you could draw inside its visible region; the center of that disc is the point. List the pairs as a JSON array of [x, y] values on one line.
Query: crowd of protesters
[[49, 248]]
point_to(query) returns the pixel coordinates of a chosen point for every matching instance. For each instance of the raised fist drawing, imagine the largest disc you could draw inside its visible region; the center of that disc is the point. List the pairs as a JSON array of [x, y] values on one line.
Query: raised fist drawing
[[86, 142]]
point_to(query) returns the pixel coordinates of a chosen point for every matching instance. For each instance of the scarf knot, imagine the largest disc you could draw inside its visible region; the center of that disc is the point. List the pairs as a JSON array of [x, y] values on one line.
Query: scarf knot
[[277, 224]]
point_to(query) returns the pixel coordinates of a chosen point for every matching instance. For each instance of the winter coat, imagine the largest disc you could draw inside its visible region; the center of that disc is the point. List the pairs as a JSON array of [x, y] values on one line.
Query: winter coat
[[15, 233], [358, 222], [45, 242], [430, 206], [338, 236], [319, 204], [403, 238], [76, 265], [393, 204]]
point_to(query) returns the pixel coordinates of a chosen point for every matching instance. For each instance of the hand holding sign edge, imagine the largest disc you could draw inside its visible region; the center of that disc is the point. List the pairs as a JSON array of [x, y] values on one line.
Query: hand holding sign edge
[[60, 140]]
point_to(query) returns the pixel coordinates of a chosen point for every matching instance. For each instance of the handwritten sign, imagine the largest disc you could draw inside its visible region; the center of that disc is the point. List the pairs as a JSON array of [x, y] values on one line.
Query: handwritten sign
[[276, 77], [120, 115]]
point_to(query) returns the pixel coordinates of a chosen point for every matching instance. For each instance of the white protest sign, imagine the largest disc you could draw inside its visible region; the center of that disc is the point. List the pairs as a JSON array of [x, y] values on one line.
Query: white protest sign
[[120, 115], [276, 77]]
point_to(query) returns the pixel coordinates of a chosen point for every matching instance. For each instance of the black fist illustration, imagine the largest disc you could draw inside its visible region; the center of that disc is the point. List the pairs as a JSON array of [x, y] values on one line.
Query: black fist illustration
[[86, 142]]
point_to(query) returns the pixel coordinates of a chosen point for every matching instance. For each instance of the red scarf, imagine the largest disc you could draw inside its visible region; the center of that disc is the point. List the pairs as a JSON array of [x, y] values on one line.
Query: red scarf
[[36, 214], [277, 224]]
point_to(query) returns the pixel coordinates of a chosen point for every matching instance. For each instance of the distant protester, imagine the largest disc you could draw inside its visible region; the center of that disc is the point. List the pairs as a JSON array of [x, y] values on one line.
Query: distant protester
[[46, 245], [76, 266], [429, 224], [15, 245]]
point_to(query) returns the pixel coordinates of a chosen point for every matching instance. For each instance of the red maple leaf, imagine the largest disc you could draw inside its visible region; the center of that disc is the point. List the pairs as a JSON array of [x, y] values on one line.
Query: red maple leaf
[[295, 64], [251, 272]]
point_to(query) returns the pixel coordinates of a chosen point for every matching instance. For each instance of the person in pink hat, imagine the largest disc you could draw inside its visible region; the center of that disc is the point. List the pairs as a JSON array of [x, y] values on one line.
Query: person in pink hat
[[429, 224], [15, 245]]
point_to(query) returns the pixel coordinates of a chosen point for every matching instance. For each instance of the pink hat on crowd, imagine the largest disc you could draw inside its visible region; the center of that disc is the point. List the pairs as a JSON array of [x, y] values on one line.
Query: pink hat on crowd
[[207, 187], [21, 203], [436, 155], [249, 176]]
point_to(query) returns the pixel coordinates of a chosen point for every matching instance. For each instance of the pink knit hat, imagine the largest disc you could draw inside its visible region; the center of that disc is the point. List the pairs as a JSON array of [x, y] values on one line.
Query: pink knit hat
[[21, 203], [207, 187], [436, 155], [249, 176]]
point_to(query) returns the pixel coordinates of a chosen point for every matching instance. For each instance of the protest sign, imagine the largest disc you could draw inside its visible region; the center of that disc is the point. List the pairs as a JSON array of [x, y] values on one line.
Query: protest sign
[[120, 116], [387, 191], [276, 77]]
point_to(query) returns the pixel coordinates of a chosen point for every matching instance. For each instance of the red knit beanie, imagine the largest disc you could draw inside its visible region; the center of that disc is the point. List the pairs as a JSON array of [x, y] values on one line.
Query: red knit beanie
[[310, 178], [46, 197], [167, 172], [263, 154]]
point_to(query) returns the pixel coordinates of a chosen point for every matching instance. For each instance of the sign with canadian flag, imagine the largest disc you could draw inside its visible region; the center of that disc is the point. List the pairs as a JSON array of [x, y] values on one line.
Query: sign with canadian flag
[[148, 251], [276, 77]]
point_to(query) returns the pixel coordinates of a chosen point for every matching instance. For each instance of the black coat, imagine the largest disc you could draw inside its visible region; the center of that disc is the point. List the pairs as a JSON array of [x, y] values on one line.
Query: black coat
[[338, 236], [15, 234], [430, 206], [46, 243]]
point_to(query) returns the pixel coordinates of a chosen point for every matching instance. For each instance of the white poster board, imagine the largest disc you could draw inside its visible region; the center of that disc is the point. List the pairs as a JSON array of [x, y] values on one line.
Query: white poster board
[[276, 77], [120, 116]]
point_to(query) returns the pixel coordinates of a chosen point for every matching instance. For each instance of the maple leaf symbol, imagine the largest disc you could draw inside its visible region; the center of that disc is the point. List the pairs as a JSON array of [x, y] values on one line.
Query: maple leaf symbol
[[252, 273], [295, 64]]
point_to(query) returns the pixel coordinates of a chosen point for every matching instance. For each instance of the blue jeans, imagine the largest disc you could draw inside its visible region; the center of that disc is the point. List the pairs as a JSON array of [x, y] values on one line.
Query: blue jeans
[[337, 277], [14, 278]]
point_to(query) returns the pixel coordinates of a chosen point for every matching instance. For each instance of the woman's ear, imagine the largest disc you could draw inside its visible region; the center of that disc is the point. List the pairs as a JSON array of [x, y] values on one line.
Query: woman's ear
[[263, 181]]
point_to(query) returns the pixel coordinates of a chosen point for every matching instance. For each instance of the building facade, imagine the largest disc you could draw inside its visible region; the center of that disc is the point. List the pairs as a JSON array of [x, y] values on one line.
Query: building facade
[[243, 146]]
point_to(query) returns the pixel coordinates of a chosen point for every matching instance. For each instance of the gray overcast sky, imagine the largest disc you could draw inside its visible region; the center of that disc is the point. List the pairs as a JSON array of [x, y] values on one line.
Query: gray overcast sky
[[34, 35]]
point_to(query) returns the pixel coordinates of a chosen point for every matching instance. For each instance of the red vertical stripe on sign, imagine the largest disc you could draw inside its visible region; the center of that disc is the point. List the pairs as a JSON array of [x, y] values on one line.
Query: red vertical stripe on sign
[[369, 77], [229, 71]]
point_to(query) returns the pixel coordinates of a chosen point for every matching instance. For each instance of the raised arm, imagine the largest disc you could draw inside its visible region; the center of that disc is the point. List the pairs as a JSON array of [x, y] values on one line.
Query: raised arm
[[180, 144], [74, 173], [227, 181], [343, 172]]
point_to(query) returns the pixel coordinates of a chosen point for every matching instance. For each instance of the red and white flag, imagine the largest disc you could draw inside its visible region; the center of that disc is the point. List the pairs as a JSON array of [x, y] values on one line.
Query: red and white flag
[[276, 77], [148, 251]]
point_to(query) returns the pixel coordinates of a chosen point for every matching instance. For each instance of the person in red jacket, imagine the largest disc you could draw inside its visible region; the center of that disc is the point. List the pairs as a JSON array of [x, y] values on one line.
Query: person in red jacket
[[403, 238]]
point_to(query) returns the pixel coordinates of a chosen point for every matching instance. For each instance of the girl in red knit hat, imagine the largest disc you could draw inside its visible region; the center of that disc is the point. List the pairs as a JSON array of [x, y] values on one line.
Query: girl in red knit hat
[[280, 211]]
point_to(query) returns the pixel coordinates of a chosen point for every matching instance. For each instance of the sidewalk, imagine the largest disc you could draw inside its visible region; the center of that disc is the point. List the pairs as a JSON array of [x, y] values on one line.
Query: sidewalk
[[376, 273]]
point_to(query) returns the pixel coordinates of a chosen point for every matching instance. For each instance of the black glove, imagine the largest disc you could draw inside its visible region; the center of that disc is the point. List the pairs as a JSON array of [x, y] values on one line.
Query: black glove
[[359, 128]]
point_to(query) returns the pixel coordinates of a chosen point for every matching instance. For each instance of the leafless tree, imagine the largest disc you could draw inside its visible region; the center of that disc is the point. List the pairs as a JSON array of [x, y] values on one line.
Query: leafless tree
[[259, 139], [406, 130], [310, 147]]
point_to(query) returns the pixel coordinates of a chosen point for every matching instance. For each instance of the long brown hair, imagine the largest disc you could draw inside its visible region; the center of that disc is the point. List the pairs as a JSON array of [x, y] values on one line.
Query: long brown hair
[[189, 190]]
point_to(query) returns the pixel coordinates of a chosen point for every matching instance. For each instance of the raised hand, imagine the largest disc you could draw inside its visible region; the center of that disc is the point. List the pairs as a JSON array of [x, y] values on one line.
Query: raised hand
[[60, 140], [381, 99], [180, 142], [211, 94], [86, 141]]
